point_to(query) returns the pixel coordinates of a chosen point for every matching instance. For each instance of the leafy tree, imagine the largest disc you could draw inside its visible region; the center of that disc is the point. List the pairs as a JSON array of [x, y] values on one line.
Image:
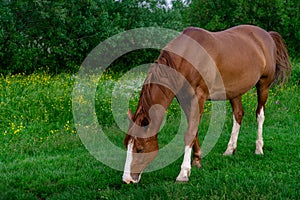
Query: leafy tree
[[58, 35]]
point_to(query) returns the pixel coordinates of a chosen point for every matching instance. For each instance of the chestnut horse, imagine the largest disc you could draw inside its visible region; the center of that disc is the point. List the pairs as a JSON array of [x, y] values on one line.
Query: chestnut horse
[[243, 57]]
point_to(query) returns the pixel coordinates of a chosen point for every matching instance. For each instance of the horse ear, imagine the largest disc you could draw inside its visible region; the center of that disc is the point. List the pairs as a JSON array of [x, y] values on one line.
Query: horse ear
[[129, 114]]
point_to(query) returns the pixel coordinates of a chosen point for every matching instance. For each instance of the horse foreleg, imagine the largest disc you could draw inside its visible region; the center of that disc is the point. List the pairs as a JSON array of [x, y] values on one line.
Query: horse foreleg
[[197, 153], [186, 164], [238, 113], [191, 139], [185, 171]]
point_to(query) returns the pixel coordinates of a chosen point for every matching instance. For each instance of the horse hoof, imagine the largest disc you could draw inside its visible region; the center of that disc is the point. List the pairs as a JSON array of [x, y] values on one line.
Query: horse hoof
[[226, 153], [196, 163], [182, 179], [259, 152], [229, 152]]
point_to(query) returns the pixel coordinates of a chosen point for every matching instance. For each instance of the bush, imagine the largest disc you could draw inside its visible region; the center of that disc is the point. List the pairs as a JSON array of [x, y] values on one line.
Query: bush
[[58, 35], [55, 34]]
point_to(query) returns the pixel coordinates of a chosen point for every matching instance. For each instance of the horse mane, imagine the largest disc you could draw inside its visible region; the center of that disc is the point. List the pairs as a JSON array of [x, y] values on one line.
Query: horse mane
[[145, 100], [144, 105]]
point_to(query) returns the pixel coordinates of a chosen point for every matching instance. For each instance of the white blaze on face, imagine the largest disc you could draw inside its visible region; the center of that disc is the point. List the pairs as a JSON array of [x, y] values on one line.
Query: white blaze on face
[[126, 175]]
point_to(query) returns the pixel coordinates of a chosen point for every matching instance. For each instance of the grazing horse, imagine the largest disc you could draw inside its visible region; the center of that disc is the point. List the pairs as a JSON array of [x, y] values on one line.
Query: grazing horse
[[241, 57]]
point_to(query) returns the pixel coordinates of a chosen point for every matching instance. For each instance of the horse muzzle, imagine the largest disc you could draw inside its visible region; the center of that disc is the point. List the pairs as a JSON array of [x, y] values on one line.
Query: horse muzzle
[[128, 178]]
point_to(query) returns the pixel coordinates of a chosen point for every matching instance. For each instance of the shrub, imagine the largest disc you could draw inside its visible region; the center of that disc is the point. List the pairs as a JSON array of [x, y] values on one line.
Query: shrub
[[58, 35]]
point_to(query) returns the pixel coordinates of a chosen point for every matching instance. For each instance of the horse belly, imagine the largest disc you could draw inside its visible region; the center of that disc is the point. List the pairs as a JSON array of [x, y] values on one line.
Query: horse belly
[[238, 79], [240, 65]]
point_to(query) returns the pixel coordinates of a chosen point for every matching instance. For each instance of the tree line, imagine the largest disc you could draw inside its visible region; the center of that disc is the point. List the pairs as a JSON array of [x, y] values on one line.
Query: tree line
[[58, 35]]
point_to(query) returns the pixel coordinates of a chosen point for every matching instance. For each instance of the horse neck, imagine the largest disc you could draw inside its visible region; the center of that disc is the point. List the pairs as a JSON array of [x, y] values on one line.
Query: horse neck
[[152, 95]]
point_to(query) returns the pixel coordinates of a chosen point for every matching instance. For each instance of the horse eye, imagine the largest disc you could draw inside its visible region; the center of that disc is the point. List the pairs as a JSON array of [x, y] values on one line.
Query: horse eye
[[140, 150]]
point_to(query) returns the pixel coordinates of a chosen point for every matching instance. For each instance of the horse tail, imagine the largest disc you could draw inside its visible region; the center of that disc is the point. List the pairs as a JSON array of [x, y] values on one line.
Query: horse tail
[[283, 65]]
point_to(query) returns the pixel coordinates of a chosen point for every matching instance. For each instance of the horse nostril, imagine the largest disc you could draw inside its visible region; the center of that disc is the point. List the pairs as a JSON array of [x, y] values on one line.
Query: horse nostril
[[126, 182], [135, 178]]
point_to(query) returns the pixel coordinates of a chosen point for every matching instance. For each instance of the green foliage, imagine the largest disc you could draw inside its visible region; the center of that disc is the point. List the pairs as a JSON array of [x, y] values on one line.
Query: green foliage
[[55, 34], [58, 35], [276, 15], [295, 74]]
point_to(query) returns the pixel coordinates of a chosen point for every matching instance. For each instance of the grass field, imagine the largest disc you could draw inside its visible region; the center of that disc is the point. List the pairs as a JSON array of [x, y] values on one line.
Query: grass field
[[42, 156]]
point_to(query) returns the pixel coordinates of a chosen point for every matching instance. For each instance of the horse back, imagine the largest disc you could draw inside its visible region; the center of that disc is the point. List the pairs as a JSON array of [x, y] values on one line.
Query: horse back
[[242, 54]]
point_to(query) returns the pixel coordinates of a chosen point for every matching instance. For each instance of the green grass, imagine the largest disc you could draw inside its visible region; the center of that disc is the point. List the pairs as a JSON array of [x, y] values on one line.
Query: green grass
[[42, 157]]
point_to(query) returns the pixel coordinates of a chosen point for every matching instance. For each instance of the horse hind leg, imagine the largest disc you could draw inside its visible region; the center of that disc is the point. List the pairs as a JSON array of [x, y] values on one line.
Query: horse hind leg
[[259, 142], [238, 113], [262, 96]]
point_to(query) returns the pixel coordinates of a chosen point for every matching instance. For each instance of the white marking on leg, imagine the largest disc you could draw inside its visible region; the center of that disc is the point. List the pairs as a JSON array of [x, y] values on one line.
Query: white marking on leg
[[232, 144], [259, 141], [185, 166], [126, 175]]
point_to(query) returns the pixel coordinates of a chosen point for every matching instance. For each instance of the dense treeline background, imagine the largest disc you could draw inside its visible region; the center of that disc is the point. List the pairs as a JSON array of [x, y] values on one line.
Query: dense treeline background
[[58, 35]]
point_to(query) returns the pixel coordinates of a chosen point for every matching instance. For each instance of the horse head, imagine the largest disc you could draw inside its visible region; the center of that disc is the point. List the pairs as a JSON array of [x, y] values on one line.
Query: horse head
[[141, 143], [141, 138]]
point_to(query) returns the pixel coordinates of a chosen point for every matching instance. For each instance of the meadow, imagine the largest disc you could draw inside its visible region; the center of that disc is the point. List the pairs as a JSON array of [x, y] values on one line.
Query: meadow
[[42, 156]]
